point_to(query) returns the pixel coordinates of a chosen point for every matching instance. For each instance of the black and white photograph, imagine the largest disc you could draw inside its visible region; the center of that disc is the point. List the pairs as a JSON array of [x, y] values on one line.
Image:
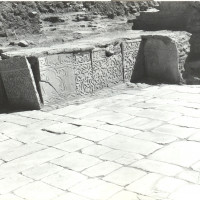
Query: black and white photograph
[[100, 100]]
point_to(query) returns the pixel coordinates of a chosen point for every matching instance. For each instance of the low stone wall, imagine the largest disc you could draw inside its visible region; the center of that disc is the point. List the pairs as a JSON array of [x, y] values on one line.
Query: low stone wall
[[46, 76]]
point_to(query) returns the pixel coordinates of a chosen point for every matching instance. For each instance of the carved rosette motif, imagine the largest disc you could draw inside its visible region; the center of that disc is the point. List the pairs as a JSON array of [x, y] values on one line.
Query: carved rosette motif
[[57, 79], [130, 51], [83, 73]]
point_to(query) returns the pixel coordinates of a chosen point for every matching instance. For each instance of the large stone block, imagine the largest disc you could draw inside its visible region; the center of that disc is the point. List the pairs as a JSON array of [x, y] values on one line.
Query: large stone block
[[57, 78], [19, 83], [83, 73], [130, 51]]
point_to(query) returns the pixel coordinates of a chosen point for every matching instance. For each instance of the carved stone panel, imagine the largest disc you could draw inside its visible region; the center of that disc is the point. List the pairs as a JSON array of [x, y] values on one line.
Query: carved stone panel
[[19, 83], [57, 79], [130, 51], [83, 73]]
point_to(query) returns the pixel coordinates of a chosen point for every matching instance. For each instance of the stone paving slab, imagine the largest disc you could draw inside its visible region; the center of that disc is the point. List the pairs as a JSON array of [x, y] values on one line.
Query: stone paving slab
[[132, 143]]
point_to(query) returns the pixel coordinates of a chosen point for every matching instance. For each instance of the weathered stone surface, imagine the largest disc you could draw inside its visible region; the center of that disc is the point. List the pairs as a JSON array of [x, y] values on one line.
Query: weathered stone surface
[[19, 83], [130, 51], [107, 69], [161, 59], [83, 73], [57, 78]]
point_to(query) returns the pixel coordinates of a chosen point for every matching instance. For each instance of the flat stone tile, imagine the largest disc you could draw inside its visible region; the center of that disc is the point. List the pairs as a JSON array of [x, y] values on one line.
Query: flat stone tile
[[109, 117], [66, 110], [124, 176], [189, 191], [29, 161], [196, 166], [141, 123], [121, 157], [41, 124], [158, 114], [64, 179], [87, 122], [90, 133], [76, 161], [20, 151], [101, 169], [9, 197], [155, 137], [177, 131], [183, 153], [6, 127], [96, 150], [9, 145], [187, 122], [190, 176], [13, 182], [3, 137], [157, 167], [74, 144], [56, 139], [28, 135], [23, 121], [60, 128], [195, 137], [146, 186], [121, 130], [38, 190], [169, 184], [95, 189], [41, 171], [70, 196], [124, 195], [130, 144], [82, 112]]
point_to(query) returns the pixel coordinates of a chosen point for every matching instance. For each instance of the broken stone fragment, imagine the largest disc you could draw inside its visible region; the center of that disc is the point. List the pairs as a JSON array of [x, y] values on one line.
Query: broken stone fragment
[[23, 43]]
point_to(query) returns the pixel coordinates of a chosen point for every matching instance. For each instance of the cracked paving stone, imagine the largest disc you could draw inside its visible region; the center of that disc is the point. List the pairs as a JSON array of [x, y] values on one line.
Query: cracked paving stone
[[64, 179], [130, 144], [60, 128], [156, 137], [95, 189], [38, 191], [101, 169], [90, 133], [177, 131], [186, 192], [74, 145], [76, 161], [183, 153], [41, 171], [141, 123], [157, 167], [124, 176]]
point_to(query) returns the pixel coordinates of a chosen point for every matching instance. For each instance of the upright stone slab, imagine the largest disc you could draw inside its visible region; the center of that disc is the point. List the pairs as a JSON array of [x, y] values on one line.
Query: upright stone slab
[[2, 94], [19, 83], [130, 51], [57, 79], [83, 73]]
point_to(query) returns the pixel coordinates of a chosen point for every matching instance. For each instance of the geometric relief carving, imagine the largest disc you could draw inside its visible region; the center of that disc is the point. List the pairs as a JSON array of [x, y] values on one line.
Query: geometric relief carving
[[83, 73], [107, 70], [130, 51], [19, 83], [57, 79]]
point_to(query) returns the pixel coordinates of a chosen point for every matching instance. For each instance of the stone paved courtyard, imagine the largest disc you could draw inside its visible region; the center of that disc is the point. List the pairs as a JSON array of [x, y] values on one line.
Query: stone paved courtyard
[[133, 144]]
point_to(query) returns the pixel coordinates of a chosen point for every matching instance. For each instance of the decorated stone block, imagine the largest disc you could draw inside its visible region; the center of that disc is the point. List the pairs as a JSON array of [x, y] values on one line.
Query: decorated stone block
[[19, 83], [83, 73], [99, 66], [130, 51], [57, 79]]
